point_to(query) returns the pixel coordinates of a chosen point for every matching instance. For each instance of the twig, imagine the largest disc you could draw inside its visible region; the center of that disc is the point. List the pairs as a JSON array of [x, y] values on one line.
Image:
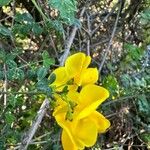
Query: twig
[[70, 41], [89, 33], [120, 99], [111, 39], [5, 86], [29, 135]]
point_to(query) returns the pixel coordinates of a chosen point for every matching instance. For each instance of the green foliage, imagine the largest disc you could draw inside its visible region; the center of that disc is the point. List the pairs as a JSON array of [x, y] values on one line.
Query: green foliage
[[146, 138], [4, 2], [111, 83], [145, 17], [5, 31], [144, 107], [47, 61], [25, 24], [66, 8], [41, 73]]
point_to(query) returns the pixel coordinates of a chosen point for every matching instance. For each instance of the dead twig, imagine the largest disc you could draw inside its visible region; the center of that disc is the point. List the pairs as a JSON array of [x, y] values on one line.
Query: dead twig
[[111, 39], [5, 86], [29, 135]]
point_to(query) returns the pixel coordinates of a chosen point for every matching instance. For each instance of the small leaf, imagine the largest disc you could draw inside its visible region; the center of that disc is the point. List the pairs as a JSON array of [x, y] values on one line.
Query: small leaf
[[9, 117], [65, 90], [41, 73], [36, 29], [2, 55], [4, 2], [19, 74], [23, 17], [66, 8], [143, 106], [43, 86], [52, 78], [11, 63], [31, 74], [110, 82], [47, 61], [5, 31]]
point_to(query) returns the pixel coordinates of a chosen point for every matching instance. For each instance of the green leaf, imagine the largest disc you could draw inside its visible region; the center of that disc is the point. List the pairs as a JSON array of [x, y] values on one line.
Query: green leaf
[[22, 30], [5, 31], [41, 73], [9, 117], [43, 86], [58, 26], [52, 78], [11, 63], [66, 8], [2, 55], [47, 61], [19, 74], [15, 74], [36, 29], [110, 82], [126, 81], [10, 74], [133, 51], [45, 55], [143, 106], [4, 2], [31, 74], [24, 17]]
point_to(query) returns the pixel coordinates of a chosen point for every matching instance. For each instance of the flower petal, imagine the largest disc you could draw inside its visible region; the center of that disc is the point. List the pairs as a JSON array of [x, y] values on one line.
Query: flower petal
[[68, 127], [101, 122], [89, 76], [86, 132], [91, 96], [61, 77], [74, 64], [67, 143], [86, 62]]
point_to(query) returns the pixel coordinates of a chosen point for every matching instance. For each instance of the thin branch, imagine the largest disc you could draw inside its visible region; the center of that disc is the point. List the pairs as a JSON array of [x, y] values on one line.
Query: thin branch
[[5, 86], [70, 41], [29, 135], [111, 39], [121, 99], [89, 33]]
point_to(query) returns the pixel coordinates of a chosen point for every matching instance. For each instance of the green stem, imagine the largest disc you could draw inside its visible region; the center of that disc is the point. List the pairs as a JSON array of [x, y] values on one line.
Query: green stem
[[39, 9]]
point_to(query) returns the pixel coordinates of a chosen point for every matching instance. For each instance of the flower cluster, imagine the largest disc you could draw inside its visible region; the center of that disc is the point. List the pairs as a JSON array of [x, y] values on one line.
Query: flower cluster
[[75, 109]]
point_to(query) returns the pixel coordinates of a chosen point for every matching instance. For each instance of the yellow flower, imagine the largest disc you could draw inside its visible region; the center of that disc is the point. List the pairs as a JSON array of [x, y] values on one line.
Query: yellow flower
[[76, 68], [82, 129]]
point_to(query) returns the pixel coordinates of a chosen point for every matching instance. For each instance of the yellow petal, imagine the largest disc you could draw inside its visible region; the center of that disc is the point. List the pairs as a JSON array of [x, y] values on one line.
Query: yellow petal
[[91, 96], [60, 112], [61, 77], [68, 126], [74, 64], [67, 143], [86, 132], [89, 76], [86, 62], [73, 96], [101, 122]]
